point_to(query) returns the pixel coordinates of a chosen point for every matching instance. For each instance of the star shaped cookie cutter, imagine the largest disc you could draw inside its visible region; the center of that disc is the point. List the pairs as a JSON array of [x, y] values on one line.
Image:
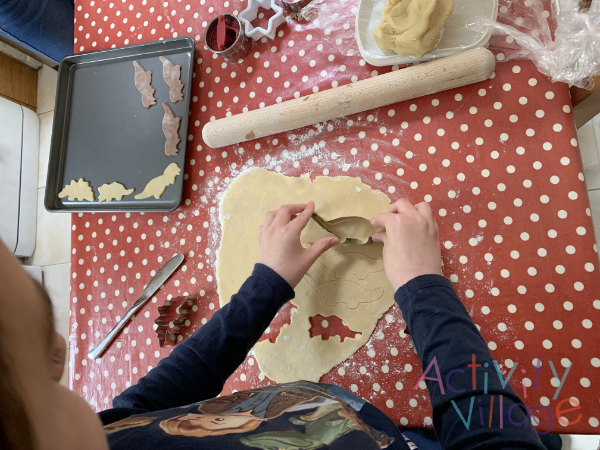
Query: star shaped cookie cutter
[[251, 13]]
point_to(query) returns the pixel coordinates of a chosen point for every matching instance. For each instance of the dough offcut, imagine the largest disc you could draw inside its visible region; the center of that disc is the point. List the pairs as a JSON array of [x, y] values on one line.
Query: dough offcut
[[412, 27], [347, 281]]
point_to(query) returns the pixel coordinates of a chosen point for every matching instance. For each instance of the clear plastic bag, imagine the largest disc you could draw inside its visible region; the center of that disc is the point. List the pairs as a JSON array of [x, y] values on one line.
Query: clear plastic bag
[[524, 30], [337, 20], [562, 40]]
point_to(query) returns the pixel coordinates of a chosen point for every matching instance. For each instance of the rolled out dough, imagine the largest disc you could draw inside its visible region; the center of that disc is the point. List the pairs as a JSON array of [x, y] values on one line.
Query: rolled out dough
[[347, 281], [412, 27]]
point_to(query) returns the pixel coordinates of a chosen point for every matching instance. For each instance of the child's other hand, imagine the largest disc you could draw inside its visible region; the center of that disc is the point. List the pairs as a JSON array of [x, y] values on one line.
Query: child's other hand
[[411, 245], [279, 242]]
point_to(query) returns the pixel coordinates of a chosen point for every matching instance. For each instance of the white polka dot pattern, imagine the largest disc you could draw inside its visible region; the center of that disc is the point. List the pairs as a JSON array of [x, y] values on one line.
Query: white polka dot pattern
[[497, 161]]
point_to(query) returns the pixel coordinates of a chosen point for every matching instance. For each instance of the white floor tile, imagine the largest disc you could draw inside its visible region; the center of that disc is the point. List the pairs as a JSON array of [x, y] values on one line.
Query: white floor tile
[[46, 121], [34, 272], [589, 144], [46, 89], [57, 283], [53, 238], [580, 442]]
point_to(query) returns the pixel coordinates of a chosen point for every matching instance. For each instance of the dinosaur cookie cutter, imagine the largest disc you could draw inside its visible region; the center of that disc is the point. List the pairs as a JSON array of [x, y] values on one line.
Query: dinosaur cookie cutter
[[173, 317], [348, 229], [251, 13]]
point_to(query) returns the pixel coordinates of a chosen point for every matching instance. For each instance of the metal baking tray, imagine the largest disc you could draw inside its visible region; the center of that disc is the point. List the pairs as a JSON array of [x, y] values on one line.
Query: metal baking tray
[[103, 133]]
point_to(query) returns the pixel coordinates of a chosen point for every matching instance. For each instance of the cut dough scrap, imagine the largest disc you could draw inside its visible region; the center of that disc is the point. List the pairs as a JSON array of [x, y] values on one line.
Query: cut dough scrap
[[157, 186], [347, 281], [80, 190], [111, 191], [412, 27]]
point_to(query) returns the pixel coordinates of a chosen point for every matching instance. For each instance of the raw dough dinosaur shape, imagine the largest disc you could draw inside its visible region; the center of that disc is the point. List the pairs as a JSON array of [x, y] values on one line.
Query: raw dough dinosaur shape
[[80, 190], [412, 27], [170, 126], [157, 186], [172, 76], [360, 265], [142, 80], [111, 191], [295, 355], [345, 291]]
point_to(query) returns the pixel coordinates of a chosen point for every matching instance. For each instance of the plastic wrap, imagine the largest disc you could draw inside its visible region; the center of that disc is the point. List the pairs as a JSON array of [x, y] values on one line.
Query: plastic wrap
[[560, 38], [573, 56], [337, 19]]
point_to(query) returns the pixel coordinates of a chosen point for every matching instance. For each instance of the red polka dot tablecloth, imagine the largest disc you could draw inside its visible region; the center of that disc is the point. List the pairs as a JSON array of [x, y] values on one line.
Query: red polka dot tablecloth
[[498, 161]]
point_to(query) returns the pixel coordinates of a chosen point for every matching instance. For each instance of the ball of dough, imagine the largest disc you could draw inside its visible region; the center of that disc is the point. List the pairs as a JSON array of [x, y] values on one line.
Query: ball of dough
[[412, 27]]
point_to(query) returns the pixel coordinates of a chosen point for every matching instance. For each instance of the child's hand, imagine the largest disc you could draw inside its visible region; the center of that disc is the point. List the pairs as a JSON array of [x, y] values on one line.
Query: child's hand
[[411, 245], [279, 242]]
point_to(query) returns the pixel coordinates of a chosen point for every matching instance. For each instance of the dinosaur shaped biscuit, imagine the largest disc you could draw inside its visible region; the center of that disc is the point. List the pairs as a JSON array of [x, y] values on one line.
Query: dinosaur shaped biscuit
[[157, 186]]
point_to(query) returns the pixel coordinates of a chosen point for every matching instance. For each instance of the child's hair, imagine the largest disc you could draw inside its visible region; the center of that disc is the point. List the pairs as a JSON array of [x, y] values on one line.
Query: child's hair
[[181, 426]]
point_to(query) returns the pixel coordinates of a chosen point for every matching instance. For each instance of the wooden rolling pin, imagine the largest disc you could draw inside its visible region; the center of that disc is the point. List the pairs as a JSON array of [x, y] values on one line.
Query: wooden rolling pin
[[451, 72]]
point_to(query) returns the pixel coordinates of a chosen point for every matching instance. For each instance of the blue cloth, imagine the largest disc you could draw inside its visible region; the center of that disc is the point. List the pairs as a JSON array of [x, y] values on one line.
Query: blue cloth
[[440, 327], [44, 27]]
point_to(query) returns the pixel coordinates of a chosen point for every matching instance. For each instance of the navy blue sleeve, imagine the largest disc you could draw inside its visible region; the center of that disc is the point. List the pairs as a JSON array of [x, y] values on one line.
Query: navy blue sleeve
[[442, 329], [198, 367]]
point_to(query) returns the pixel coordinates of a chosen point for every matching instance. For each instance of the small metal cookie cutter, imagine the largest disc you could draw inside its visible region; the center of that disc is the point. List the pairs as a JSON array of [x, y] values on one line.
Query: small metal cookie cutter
[[295, 6], [358, 224], [225, 37], [172, 318]]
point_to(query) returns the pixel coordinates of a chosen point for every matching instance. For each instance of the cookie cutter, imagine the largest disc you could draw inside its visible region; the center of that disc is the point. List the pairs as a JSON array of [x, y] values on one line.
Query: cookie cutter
[[251, 13], [357, 222], [295, 6], [225, 37], [173, 317]]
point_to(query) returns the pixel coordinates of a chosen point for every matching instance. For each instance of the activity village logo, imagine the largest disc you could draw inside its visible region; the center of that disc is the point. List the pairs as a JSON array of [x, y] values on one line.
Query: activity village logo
[[458, 377]]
